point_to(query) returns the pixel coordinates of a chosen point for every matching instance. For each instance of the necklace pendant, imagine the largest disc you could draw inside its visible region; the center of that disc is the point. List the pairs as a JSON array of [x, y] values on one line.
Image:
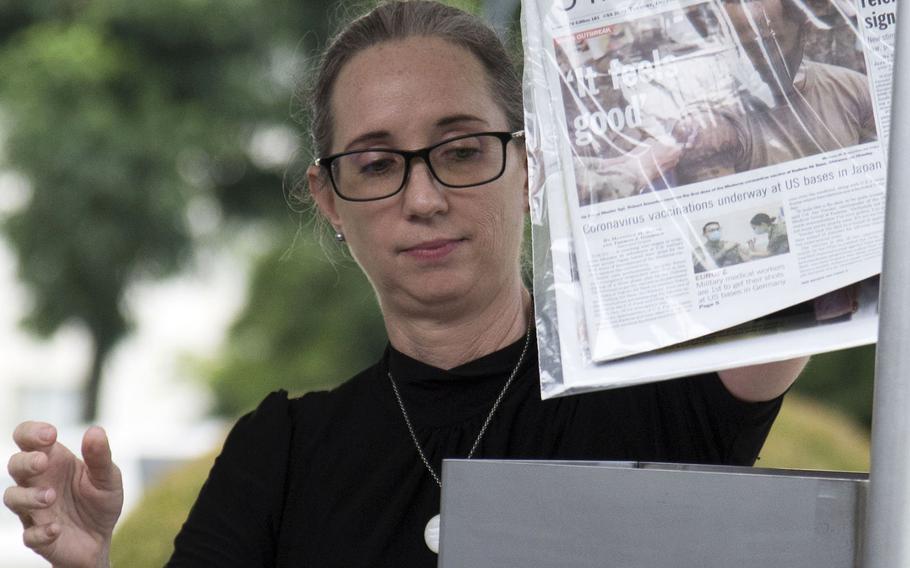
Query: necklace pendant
[[431, 534]]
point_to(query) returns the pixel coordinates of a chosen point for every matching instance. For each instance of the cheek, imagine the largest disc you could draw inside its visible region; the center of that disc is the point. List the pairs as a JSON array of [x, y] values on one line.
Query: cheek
[[363, 232], [501, 224]]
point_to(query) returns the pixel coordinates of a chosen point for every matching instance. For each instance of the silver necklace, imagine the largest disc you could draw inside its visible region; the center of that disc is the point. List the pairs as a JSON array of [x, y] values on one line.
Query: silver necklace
[[431, 532]]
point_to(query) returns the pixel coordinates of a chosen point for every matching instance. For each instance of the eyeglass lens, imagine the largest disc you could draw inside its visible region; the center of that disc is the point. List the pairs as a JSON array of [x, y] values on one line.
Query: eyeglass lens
[[463, 162]]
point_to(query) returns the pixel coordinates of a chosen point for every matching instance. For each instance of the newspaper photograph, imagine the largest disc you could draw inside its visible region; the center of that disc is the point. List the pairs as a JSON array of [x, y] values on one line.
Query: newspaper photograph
[[707, 170]]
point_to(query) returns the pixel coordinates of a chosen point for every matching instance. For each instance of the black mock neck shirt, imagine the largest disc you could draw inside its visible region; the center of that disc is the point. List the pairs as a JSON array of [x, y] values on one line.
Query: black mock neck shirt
[[332, 479]]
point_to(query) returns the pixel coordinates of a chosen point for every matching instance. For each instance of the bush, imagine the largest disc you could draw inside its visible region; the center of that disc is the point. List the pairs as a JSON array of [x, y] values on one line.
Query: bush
[[809, 434], [145, 538]]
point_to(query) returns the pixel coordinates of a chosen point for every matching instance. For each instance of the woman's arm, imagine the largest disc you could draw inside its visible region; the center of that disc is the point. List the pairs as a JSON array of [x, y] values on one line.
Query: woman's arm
[[767, 381]]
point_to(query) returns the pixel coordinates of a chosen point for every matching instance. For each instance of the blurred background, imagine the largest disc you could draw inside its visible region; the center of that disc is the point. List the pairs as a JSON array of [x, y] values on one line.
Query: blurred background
[[157, 276]]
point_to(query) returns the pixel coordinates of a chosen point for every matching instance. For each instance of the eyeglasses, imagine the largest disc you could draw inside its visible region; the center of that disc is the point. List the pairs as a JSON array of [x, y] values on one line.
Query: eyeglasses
[[462, 161]]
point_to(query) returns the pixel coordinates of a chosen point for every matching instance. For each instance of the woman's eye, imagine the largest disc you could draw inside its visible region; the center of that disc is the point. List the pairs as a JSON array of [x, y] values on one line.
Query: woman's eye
[[377, 167], [462, 154]]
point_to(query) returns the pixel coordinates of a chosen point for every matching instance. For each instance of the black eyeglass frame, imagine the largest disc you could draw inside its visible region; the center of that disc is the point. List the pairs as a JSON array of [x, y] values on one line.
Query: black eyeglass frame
[[422, 153]]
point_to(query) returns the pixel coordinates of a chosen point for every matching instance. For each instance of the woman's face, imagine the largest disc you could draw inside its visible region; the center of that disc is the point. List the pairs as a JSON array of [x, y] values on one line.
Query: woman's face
[[427, 244]]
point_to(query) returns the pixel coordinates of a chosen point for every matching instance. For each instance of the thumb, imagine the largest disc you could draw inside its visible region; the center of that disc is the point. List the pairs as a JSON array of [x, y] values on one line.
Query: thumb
[[96, 452]]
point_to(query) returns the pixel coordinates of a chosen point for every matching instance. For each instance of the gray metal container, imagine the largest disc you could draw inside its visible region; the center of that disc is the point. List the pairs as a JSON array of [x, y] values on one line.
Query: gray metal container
[[643, 515]]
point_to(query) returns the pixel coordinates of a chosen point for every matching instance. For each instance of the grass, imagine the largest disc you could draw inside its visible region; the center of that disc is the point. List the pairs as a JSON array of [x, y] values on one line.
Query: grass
[[810, 435]]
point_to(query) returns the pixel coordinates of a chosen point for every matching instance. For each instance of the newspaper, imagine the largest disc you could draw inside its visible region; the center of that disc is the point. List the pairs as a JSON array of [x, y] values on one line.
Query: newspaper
[[695, 167]]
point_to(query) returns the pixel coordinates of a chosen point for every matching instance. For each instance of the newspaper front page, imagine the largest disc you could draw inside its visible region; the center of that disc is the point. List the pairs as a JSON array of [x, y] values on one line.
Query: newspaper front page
[[700, 165]]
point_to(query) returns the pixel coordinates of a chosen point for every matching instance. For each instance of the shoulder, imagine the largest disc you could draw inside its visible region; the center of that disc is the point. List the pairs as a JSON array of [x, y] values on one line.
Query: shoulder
[[318, 419], [238, 514], [235, 517], [825, 70], [271, 426], [270, 421], [823, 76], [777, 230], [317, 407]]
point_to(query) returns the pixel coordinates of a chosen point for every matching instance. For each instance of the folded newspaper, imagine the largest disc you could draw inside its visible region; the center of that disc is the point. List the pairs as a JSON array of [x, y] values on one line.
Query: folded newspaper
[[707, 182]]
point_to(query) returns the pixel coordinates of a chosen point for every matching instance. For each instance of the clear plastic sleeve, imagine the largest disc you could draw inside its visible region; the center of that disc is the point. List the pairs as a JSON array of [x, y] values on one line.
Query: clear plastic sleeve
[[706, 182]]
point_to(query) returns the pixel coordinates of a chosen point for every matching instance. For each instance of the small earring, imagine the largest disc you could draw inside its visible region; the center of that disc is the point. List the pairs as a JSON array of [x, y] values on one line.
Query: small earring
[[339, 236]]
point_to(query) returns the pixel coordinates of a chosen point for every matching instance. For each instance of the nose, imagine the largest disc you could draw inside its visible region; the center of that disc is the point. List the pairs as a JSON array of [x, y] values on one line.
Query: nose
[[424, 196]]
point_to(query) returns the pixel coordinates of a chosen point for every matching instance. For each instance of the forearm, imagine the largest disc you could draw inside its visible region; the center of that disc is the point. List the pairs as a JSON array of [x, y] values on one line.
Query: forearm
[[757, 383]]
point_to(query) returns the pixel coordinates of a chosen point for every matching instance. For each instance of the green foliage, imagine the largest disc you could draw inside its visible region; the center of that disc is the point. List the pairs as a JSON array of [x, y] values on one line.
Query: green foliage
[[145, 538], [473, 6], [813, 435], [843, 379], [308, 324], [119, 114], [102, 205]]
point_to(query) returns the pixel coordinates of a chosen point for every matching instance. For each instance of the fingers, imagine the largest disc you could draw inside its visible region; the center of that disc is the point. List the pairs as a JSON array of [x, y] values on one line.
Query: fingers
[[34, 436], [24, 465], [24, 500], [40, 536], [96, 452]]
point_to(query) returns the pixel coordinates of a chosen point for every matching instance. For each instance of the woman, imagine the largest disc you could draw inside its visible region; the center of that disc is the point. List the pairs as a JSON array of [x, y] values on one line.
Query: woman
[[417, 119], [762, 224]]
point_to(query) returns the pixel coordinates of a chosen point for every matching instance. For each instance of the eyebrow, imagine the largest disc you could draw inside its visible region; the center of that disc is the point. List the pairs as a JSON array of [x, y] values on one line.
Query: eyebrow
[[459, 118], [372, 136], [381, 135]]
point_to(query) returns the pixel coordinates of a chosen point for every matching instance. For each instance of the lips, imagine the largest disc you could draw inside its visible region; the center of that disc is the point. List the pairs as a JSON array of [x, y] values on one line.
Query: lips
[[436, 249]]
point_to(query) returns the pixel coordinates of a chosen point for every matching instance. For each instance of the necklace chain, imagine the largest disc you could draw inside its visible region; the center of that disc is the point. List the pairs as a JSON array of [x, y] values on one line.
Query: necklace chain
[[486, 423]]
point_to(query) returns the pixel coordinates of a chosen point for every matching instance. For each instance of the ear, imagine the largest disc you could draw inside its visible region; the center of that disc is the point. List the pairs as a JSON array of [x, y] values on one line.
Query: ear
[[323, 196]]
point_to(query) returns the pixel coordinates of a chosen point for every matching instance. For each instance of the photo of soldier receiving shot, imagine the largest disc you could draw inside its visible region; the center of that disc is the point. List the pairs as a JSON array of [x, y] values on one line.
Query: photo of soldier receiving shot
[[739, 236], [714, 89]]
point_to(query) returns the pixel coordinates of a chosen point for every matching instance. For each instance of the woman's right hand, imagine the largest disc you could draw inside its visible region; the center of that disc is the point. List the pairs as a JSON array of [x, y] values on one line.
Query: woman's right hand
[[68, 507]]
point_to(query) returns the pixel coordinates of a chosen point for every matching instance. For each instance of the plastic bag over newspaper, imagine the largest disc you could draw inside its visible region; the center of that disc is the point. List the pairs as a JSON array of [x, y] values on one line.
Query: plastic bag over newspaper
[[707, 182]]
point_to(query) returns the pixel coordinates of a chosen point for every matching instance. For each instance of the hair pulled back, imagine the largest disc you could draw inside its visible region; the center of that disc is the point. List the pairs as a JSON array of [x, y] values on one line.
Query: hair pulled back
[[399, 20], [762, 219]]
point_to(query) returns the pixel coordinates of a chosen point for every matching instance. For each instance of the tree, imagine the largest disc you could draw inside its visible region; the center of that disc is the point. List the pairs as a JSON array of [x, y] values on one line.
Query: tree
[[308, 324], [118, 114]]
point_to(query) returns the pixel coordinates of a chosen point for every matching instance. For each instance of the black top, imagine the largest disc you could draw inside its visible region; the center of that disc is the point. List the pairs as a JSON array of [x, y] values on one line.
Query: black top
[[333, 478]]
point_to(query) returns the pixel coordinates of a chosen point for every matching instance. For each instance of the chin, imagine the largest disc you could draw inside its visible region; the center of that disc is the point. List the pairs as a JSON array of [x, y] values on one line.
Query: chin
[[444, 293], [437, 289]]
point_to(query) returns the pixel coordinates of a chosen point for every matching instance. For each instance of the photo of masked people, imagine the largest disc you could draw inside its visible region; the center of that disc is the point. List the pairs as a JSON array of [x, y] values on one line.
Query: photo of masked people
[[774, 230], [717, 253], [791, 104]]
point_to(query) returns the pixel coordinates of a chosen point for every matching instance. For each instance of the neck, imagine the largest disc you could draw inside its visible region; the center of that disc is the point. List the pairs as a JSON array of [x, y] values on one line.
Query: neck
[[446, 336], [783, 94]]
